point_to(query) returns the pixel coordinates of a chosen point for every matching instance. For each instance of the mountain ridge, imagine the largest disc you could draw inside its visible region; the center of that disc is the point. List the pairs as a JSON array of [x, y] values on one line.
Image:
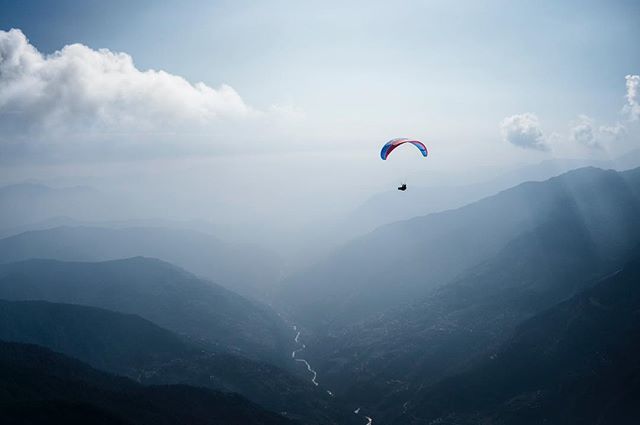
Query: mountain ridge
[[557, 365], [401, 261], [41, 386], [158, 291], [243, 268], [131, 346]]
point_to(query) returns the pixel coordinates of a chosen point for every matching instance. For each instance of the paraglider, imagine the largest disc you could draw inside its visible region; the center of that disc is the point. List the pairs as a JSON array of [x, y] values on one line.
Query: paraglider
[[392, 144]]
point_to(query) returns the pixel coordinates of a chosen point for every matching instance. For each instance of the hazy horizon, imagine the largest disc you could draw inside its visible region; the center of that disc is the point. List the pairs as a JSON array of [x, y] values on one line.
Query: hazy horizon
[[274, 113]]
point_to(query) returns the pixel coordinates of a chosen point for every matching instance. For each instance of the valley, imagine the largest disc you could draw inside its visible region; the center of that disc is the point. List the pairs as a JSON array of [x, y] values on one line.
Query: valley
[[283, 212], [386, 328]]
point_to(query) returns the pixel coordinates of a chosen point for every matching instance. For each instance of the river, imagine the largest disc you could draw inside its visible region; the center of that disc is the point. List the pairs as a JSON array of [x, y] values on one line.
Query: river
[[294, 354]]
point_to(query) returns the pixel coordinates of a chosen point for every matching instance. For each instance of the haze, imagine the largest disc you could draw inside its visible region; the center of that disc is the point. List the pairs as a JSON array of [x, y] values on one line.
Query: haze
[[240, 141], [289, 104]]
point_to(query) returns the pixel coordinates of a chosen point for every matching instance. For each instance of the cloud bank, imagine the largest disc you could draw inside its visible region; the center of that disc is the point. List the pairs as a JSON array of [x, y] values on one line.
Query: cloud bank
[[98, 102], [524, 131]]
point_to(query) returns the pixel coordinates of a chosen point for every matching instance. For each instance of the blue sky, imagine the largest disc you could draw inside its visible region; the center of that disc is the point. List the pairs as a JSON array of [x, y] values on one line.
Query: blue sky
[[358, 70]]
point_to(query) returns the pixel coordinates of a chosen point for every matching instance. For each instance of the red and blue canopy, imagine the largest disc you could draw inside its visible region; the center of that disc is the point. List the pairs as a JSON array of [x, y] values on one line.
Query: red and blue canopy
[[392, 144]]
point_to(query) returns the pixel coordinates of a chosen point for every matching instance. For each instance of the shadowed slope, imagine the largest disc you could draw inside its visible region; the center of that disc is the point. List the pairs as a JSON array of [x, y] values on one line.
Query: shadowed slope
[[577, 362], [131, 346], [158, 292], [39, 386]]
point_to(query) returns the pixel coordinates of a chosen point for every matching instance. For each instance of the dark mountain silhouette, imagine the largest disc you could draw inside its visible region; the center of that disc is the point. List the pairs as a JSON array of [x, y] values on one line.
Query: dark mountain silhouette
[[38, 386], [134, 347], [157, 291], [578, 362], [124, 344], [403, 261], [242, 268]]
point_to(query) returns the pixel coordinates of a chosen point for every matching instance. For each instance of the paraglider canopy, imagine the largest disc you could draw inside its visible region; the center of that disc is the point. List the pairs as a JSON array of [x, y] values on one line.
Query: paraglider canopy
[[392, 144]]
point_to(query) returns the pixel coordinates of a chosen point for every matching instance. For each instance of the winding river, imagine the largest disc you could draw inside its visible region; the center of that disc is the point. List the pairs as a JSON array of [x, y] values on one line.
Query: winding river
[[294, 355], [306, 363]]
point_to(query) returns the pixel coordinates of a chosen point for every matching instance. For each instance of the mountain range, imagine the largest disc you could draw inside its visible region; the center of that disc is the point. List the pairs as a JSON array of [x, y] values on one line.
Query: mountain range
[[402, 261], [128, 345], [40, 386], [576, 362], [159, 292], [518, 308], [497, 263], [246, 269]]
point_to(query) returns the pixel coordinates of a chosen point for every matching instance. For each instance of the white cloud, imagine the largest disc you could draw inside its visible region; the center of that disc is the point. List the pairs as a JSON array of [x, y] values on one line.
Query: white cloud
[[632, 108], [584, 133], [92, 101], [524, 130], [613, 132]]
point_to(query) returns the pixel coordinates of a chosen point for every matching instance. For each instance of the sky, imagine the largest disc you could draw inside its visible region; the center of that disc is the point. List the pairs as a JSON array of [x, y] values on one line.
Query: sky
[[264, 105]]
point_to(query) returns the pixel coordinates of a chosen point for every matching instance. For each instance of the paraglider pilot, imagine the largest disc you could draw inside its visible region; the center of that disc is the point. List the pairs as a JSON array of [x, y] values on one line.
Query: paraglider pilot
[[392, 144]]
